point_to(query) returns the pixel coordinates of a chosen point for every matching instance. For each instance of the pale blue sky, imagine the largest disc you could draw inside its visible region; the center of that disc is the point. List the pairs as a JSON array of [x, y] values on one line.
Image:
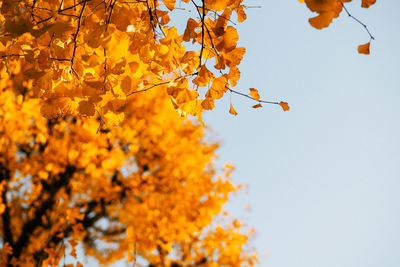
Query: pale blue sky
[[324, 187]]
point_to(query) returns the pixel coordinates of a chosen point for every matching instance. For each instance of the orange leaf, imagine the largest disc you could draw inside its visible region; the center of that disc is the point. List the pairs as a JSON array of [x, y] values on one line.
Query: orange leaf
[[241, 14], [86, 108], [204, 77], [232, 110], [284, 105], [170, 4], [322, 20], [218, 88], [254, 94], [189, 31], [230, 38], [257, 106], [2, 208], [364, 49], [207, 104], [367, 3], [234, 75], [50, 110]]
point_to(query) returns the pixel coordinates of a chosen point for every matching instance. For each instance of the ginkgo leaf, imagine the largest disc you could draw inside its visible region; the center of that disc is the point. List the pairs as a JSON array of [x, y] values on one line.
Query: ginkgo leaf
[[254, 94], [234, 75], [284, 105], [230, 38], [257, 106], [232, 110], [241, 14], [234, 57], [218, 88], [322, 5], [203, 77], [170, 4], [86, 108], [112, 119], [367, 3], [216, 5], [322, 20], [364, 49], [49, 110], [207, 104], [189, 31]]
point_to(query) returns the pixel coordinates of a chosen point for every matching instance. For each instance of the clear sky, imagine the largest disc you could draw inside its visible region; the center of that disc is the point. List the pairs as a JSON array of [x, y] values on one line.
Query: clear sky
[[324, 178]]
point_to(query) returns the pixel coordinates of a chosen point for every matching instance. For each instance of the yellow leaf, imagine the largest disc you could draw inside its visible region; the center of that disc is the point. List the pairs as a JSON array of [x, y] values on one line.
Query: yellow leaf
[[254, 94], [364, 49], [185, 95], [113, 119], [284, 105], [257, 106], [193, 108], [232, 110], [2, 208]]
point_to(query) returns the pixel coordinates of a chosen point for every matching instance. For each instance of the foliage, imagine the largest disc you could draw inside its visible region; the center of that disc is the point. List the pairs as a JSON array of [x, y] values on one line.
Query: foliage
[[111, 165], [146, 189], [87, 57]]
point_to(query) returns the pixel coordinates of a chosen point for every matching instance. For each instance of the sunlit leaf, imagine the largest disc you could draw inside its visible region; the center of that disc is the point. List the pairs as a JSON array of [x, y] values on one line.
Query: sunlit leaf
[[367, 3], [232, 110], [254, 94], [364, 48], [284, 106]]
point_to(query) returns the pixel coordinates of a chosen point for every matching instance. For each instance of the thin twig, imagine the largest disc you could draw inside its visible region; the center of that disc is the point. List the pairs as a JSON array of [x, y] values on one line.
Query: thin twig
[[162, 83], [76, 37], [360, 22], [203, 17], [250, 97]]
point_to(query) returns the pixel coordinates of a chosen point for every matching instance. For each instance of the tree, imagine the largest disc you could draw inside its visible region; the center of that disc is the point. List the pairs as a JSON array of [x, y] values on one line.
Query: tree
[[111, 165], [145, 189]]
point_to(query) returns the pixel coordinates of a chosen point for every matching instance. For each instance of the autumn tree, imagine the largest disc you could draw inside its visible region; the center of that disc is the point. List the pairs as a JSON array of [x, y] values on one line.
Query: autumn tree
[[146, 189], [92, 149]]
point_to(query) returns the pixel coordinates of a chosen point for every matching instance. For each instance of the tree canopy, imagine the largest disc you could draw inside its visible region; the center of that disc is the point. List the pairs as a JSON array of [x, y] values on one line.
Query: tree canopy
[[93, 146]]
